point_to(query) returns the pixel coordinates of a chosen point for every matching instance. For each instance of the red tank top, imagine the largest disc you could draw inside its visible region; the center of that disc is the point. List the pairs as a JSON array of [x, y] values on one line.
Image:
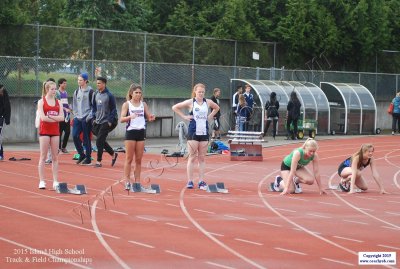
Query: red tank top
[[50, 128]]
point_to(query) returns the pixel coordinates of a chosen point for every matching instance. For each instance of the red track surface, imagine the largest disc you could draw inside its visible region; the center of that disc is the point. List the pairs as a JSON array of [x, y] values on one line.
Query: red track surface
[[178, 228]]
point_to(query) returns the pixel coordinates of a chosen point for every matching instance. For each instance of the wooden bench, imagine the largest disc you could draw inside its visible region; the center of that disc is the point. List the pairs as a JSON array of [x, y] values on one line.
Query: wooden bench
[[245, 146]]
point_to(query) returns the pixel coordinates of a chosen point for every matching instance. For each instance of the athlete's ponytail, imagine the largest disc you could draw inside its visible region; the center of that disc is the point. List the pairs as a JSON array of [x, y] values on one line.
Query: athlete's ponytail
[[310, 143]]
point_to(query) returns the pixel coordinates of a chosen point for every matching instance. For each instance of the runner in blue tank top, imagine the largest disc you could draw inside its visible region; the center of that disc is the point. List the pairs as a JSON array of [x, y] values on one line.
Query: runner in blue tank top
[[350, 170], [197, 136]]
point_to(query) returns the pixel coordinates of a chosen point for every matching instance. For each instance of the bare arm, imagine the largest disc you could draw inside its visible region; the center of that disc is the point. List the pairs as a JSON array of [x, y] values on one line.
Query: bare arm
[[177, 108], [317, 174], [50, 118], [214, 107], [354, 170], [150, 117], [376, 176], [124, 111]]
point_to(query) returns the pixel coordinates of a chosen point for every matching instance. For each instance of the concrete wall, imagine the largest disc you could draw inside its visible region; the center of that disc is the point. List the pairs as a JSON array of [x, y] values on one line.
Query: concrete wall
[[23, 112]]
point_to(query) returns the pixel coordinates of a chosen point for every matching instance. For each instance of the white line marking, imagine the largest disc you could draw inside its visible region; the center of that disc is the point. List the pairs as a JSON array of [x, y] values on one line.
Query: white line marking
[[391, 247], [292, 251], [248, 241], [57, 221], [392, 213], [299, 199], [179, 254], [173, 190], [234, 217], [146, 218], [287, 210], [358, 222], [255, 205], [172, 205], [391, 228], [318, 216], [220, 235], [366, 209], [141, 244], [336, 261], [326, 203], [397, 202], [227, 200], [348, 239], [220, 265], [56, 258], [176, 225], [204, 211], [267, 223], [147, 200], [244, 190], [367, 198], [118, 212]]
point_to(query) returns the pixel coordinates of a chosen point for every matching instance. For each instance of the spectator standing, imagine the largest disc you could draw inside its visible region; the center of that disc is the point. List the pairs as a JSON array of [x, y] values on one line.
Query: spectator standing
[[105, 119], [5, 115], [250, 103], [216, 133], [293, 115], [396, 114], [235, 102], [272, 115], [82, 106], [65, 126], [242, 112]]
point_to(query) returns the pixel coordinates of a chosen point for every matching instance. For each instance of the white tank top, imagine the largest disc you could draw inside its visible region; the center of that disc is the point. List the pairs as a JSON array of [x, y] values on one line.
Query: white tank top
[[200, 113], [139, 122]]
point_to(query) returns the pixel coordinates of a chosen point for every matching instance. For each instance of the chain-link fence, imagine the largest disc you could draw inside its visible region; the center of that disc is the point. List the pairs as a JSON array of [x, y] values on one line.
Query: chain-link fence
[[166, 66]]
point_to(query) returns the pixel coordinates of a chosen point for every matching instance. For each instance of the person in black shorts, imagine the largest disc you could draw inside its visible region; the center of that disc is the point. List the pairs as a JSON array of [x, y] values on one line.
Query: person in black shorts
[[350, 170]]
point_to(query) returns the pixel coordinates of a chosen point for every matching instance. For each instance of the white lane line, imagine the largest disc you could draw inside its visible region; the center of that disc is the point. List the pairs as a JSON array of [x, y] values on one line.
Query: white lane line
[[173, 190], [336, 261], [267, 223], [146, 218], [391, 247], [318, 216], [54, 258], [220, 235], [255, 205], [141, 244], [249, 242], [366, 209], [227, 200], [148, 200], [291, 251], [391, 228], [367, 198], [397, 202], [392, 213], [298, 229], [204, 211], [326, 203], [300, 199], [234, 217], [173, 205], [245, 190], [348, 239], [357, 222], [118, 212], [179, 254], [220, 265], [57, 221], [176, 225], [287, 210]]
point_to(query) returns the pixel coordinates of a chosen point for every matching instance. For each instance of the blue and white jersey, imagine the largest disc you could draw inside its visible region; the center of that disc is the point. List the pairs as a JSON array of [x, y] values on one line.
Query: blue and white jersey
[[199, 124], [139, 122]]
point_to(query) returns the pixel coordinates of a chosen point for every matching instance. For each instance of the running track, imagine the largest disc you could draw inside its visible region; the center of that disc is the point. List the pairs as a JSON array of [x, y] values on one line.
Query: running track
[[178, 228]]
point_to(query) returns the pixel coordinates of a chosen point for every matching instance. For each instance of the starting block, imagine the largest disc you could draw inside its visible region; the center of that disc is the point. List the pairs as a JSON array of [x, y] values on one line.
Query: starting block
[[63, 188], [245, 146], [219, 187], [137, 187]]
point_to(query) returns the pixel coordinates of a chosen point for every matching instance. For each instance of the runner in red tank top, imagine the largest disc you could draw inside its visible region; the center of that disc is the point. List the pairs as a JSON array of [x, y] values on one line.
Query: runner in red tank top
[[51, 113]]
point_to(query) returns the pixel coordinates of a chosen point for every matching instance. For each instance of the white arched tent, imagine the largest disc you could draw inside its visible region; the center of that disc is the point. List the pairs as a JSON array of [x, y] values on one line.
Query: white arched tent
[[315, 105], [353, 108]]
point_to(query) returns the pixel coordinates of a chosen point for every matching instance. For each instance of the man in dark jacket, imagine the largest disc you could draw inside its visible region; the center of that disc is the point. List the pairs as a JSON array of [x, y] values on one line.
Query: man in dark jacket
[[5, 115]]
